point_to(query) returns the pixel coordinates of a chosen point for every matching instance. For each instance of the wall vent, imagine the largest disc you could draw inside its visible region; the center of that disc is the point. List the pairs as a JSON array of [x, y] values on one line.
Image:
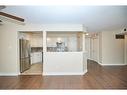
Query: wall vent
[[119, 36]]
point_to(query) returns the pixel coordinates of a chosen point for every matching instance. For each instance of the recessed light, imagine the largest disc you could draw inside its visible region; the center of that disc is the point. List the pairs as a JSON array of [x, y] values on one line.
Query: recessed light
[[87, 33]]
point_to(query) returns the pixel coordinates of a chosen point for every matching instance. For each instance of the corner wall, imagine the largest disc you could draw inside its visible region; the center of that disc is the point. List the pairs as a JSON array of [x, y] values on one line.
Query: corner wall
[[8, 50], [125, 50], [112, 49]]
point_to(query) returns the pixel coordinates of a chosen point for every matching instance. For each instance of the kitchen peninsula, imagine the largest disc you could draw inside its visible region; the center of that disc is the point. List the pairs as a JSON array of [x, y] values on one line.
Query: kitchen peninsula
[[64, 50]]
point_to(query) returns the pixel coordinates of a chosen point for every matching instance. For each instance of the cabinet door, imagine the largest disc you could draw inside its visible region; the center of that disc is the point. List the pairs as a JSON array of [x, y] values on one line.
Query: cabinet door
[[40, 57], [32, 58], [36, 57]]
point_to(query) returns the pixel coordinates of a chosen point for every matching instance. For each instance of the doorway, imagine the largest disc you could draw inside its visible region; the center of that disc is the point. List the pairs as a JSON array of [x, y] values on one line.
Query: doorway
[[31, 52], [92, 46]]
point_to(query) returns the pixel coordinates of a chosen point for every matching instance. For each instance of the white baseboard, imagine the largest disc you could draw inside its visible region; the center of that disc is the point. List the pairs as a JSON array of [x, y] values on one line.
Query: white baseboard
[[113, 64], [64, 73], [8, 74], [99, 63]]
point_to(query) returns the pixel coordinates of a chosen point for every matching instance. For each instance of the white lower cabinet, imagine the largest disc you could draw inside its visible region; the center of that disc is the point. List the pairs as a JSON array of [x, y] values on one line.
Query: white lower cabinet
[[36, 57]]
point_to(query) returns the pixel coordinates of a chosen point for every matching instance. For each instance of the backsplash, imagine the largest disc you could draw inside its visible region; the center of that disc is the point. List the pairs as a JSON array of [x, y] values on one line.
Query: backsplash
[[36, 49], [49, 49]]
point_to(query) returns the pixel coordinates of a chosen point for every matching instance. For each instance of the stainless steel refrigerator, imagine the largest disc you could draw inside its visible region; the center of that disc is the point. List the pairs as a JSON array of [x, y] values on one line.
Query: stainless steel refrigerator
[[24, 55]]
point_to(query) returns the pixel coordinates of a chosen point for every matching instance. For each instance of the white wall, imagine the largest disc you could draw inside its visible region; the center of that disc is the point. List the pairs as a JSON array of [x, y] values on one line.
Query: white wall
[[8, 50], [112, 49], [64, 63], [108, 51], [125, 50]]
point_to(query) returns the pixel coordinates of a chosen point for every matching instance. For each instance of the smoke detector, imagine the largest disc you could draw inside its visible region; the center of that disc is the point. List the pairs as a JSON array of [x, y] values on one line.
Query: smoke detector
[[124, 31]]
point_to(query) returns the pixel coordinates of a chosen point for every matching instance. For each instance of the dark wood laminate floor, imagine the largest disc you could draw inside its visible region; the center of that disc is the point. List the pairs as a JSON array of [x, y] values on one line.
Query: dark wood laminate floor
[[97, 77]]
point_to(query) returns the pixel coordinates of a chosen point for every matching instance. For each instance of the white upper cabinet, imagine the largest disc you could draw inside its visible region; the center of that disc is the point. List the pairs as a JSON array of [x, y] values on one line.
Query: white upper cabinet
[[36, 40]]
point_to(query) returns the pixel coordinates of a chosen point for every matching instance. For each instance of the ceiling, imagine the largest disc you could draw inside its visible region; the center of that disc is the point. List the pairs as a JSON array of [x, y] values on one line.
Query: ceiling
[[95, 18]]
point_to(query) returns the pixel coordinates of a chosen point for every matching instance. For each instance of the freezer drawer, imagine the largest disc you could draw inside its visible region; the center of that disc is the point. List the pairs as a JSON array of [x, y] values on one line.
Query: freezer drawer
[[24, 64]]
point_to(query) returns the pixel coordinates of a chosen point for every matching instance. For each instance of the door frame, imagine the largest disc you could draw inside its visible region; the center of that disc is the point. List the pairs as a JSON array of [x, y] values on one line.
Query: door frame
[[18, 50]]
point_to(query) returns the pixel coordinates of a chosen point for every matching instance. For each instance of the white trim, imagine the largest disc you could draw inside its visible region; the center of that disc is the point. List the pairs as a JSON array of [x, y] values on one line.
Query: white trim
[[8, 74], [113, 64], [64, 73], [125, 50], [99, 63]]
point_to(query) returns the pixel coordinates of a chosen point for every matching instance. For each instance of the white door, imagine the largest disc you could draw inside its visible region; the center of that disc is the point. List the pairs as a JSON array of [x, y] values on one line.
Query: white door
[[87, 47], [95, 49]]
